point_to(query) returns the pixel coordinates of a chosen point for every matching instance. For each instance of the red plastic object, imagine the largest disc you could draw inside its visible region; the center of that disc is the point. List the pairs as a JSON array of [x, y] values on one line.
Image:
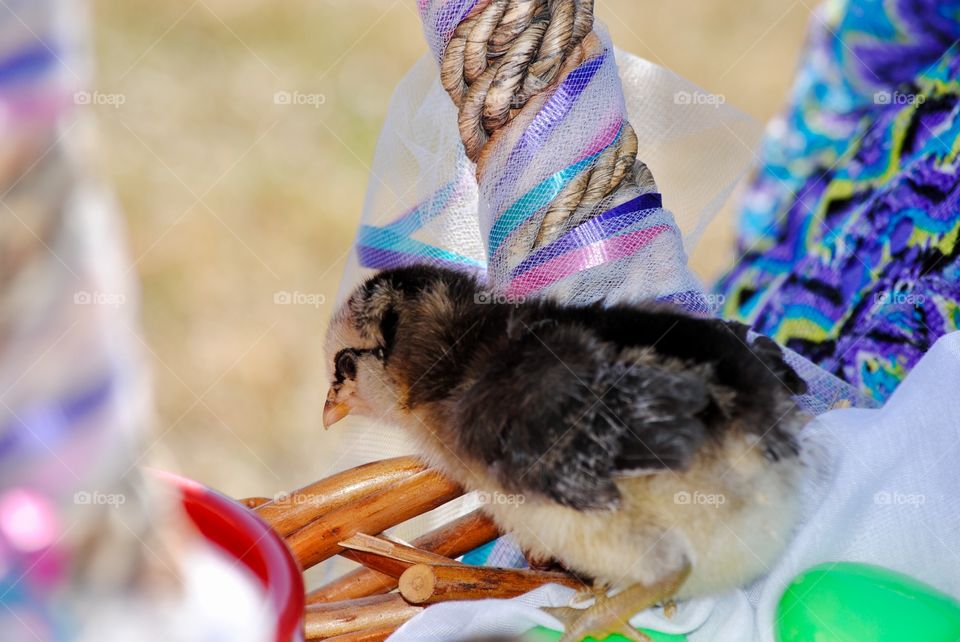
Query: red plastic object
[[245, 537]]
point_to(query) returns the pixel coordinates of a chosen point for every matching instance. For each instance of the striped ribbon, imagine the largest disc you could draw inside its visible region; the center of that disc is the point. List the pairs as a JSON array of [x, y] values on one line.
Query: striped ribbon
[[49, 424], [30, 92], [603, 239], [545, 123], [548, 189], [618, 233], [608, 237], [392, 246], [26, 64]]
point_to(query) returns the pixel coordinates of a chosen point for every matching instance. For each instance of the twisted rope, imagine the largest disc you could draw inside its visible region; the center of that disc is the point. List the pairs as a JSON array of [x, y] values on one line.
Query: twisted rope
[[503, 61]]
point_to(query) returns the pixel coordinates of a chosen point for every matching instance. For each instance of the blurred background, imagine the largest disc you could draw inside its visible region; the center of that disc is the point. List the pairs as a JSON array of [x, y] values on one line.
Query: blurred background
[[238, 134]]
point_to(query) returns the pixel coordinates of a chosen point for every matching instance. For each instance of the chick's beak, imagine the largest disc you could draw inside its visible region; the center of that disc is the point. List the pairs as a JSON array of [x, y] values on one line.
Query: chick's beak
[[334, 410]]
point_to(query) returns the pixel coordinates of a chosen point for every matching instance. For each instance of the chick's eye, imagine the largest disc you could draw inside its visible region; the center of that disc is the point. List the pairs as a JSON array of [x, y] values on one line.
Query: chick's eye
[[346, 365]]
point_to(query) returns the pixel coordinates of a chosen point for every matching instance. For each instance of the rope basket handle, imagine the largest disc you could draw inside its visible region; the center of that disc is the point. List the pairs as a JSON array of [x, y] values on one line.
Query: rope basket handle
[[503, 61]]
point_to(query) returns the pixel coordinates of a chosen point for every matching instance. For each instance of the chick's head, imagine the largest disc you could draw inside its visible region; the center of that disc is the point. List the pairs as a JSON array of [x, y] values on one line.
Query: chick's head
[[363, 334], [356, 350]]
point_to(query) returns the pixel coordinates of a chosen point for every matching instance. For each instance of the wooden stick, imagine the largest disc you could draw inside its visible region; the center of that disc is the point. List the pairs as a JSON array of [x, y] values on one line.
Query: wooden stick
[[404, 499], [339, 618], [291, 511], [386, 566], [460, 536], [388, 558], [370, 635], [357, 583], [424, 584], [369, 546]]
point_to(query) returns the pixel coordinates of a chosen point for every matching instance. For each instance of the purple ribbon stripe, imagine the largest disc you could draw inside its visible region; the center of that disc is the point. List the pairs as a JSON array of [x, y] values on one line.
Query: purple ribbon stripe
[[597, 229]]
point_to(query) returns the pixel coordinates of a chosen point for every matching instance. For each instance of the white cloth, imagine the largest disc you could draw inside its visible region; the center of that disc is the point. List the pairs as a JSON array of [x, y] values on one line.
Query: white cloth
[[884, 491]]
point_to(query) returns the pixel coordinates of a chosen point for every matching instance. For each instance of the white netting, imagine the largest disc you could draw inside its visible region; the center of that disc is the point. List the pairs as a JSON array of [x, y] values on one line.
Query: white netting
[[424, 202]]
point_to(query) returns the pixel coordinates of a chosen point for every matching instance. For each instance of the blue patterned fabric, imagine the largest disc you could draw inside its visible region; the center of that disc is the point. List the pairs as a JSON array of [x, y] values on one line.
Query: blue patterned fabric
[[847, 245]]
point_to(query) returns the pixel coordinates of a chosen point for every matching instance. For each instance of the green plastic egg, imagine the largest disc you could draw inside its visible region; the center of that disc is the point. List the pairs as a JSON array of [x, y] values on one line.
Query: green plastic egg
[[848, 602]]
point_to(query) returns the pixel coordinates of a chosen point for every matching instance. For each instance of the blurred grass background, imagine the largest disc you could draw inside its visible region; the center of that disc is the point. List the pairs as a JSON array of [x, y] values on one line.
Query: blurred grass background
[[231, 198]]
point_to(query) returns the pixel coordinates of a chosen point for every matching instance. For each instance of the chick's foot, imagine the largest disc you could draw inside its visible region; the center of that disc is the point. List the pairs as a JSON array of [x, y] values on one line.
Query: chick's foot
[[610, 615]]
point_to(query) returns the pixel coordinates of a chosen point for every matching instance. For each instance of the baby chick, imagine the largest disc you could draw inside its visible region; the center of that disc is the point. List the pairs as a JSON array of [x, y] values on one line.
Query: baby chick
[[640, 446]]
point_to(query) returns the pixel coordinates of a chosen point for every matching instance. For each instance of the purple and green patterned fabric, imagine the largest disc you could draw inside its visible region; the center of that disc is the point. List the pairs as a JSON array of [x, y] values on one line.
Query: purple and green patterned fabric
[[848, 240]]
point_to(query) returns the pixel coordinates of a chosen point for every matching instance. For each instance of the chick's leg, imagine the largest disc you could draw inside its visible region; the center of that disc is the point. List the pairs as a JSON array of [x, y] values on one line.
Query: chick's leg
[[609, 615]]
